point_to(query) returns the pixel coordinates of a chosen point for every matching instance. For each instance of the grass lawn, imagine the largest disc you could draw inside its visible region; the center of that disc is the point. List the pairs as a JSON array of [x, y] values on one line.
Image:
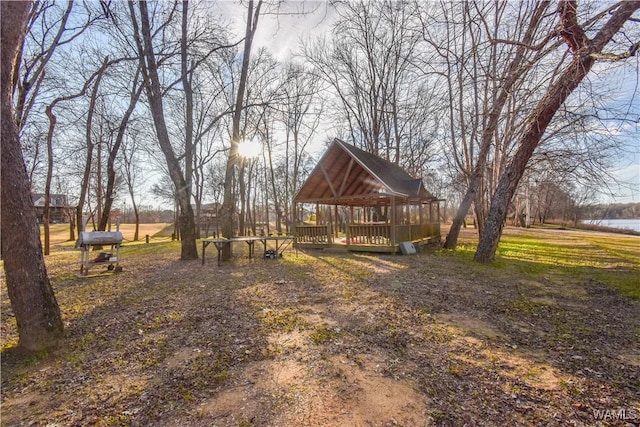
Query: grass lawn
[[547, 335], [59, 236]]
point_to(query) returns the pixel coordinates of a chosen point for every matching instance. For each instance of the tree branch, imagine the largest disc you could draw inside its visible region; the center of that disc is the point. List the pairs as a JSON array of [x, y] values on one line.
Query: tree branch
[[536, 47], [569, 29], [633, 50]]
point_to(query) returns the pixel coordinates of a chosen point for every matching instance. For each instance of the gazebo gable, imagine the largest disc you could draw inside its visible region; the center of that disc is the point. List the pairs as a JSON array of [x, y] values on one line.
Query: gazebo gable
[[347, 175]]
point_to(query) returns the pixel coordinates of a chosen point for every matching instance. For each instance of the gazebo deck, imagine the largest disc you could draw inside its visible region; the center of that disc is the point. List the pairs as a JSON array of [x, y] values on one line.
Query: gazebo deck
[[375, 203], [372, 237]]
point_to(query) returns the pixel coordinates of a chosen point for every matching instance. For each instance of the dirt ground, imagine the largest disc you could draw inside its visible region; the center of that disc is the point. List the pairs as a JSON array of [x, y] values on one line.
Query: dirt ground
[[328, 339]]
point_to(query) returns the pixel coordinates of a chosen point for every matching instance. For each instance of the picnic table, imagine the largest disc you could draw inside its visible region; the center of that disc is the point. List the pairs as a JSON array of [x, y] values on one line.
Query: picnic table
[[281, 243]]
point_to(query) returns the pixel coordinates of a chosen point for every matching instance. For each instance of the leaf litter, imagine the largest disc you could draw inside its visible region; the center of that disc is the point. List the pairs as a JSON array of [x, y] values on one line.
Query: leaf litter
[[326, 339]]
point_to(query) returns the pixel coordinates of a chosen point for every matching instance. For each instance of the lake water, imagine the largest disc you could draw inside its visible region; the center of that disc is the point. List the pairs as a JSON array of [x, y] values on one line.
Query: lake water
[[633, 224]]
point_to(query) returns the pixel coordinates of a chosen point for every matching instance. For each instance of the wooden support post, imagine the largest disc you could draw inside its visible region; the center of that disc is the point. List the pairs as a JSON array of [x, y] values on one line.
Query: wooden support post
[[294, 217], [394, 221], [351, 222]]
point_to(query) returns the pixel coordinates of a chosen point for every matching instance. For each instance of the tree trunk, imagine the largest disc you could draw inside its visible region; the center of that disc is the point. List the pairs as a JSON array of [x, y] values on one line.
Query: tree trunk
[[136, 235], [186, 221], [98, 179], [113, 152], [512, 74], [47, 186], [585, 53], [242, 188], [72, 224], [228, 203], [32, 299], [52, 124], [86, 177]]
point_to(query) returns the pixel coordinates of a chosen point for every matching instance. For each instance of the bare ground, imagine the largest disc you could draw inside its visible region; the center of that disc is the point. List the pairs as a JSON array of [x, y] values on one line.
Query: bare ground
[[327, 339]]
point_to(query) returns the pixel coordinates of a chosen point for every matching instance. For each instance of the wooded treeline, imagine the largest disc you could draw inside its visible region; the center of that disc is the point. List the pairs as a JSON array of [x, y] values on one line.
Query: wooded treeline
[[487, 100], [612, 211], [442, 90]]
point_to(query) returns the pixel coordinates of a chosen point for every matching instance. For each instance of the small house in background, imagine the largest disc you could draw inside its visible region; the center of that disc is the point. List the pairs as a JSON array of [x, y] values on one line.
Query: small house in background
[[210, 218], [364, 203], [59, 209]]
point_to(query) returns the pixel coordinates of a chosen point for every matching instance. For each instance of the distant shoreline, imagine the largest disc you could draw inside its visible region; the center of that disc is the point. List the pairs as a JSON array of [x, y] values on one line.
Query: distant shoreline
[[613, 225]]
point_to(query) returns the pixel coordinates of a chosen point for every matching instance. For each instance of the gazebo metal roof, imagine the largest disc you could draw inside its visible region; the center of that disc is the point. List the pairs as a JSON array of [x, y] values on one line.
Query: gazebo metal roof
[[349, 176]]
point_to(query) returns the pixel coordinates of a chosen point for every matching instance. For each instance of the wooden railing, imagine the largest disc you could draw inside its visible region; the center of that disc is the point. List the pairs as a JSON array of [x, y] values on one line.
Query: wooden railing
[[319, 234], [417, 231], [369, 234], [380, 234], [431, 229]]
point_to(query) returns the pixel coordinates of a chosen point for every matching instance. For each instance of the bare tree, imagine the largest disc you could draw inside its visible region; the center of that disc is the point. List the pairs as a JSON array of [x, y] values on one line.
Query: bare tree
[[203, 105], [301, 116], [135, 92], [492, 113], [228, 204], [48, 30], [32, 299], [149, 66], [131, 172], [586, 51], [372, 64], [90, 145], [49, 27], [49, 111]]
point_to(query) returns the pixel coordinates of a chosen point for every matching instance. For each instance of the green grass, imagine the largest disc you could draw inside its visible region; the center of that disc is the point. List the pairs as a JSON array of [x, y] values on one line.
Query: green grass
[[281, 320], [59, 233], [323, 334], [612, 259], [158, 248]]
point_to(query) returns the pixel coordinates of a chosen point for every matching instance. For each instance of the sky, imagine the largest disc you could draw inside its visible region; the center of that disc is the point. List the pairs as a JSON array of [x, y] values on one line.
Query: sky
[[625, 84], [281, 34]]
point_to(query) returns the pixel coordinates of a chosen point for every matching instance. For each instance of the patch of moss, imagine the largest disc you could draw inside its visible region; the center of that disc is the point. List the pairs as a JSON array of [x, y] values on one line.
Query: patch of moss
[[526, 305], [286, 320], [323, 334]]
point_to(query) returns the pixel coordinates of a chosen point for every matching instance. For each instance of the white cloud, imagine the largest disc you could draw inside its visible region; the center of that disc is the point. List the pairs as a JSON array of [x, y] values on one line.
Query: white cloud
[[628, 188], [280, 26]]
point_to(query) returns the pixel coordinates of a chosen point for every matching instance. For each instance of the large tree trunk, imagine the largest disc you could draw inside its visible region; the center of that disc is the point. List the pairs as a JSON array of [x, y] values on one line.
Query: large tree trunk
[[188, 95], [186, 221], [585, 54], [32, 298]]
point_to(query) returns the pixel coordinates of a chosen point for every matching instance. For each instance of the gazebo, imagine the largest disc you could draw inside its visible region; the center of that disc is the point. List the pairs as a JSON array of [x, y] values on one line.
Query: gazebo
[[362, 202]]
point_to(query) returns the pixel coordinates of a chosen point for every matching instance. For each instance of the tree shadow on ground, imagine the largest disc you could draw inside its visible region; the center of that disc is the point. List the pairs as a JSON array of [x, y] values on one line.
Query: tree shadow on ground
[[583, 334], [330, 339], [141, 347]]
